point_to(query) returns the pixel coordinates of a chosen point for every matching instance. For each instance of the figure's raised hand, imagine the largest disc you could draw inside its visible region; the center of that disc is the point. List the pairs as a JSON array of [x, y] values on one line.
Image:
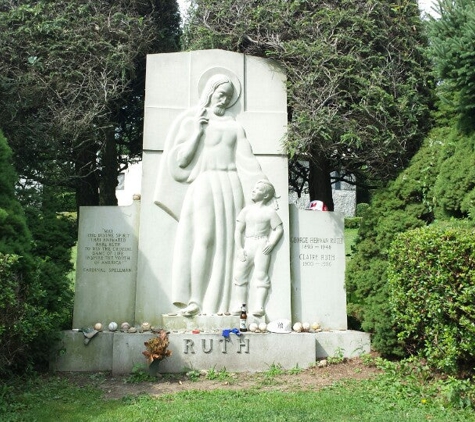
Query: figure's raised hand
[[201, 120]]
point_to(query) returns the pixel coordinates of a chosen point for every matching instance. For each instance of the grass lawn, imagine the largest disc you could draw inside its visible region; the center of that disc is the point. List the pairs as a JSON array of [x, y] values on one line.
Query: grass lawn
[[379, 399], [350, 237]]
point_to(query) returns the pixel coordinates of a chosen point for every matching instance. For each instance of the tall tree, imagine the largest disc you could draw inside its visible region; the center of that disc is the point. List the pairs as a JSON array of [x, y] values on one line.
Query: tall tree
[[358, 80], [453, 52], [71, 85]]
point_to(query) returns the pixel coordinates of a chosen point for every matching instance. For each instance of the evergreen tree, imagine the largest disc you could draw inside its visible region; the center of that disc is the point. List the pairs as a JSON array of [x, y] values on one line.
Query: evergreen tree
[[358, 80], [72, 84], [35, 296], [406, 203], [15, 237], [439, 185], [453, 52]]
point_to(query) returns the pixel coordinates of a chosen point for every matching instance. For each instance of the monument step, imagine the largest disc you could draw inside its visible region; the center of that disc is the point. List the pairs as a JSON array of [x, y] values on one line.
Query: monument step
[[250, 352]]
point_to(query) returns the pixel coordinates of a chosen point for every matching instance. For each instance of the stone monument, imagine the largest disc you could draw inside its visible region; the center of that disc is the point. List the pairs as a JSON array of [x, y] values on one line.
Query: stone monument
[[209, 233], [214, 126]]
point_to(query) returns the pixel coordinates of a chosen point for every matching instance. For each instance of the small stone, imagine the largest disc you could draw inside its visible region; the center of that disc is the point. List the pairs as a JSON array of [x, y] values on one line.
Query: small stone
[[98, 326], [322, 363], [263, 327], [132, 330], [297, 327], [113, 326], [315, 326], [124, 326]]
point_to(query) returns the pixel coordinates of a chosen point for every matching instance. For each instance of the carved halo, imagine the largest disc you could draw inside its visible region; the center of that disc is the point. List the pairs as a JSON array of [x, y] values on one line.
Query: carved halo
[[223, 71]]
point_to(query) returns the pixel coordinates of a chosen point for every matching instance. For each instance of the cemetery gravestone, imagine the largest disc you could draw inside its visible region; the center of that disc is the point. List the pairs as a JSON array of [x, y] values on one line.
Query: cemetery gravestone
[[106, 268]]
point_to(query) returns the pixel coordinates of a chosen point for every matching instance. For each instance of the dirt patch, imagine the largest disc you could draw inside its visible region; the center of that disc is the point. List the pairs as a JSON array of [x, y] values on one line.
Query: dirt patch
[[309, 379]]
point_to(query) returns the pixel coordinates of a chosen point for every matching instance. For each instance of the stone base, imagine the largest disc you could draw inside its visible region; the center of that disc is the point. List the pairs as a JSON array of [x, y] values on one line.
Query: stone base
[[253, 352], [205, 322], [346, 343]]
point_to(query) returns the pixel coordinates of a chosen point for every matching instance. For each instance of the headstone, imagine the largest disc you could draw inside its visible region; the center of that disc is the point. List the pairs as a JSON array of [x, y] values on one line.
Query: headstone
[[318, 268], [106, 267]]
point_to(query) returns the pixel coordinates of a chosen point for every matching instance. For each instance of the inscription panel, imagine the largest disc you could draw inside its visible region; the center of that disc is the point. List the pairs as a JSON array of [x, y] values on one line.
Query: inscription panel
[[318, 268], [318, 251], [249, 352], [109, 251], [106, 265]]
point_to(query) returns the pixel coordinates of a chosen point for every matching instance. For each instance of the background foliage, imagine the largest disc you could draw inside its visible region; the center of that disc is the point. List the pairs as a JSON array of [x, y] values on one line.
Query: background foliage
[[358, 79], [72, 85], [35, 296], [453, 52], [437, 186]]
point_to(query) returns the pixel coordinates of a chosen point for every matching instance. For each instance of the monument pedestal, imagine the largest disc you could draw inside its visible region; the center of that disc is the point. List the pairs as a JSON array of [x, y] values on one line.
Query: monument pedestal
[[250, 352], [205, 323]]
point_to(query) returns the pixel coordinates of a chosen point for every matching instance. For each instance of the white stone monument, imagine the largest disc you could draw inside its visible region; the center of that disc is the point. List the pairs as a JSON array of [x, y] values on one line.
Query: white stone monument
[[214, 126], [208, 235]]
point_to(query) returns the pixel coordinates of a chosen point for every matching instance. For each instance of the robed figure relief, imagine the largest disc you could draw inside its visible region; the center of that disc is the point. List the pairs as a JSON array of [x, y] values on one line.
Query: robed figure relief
[[208, 150]]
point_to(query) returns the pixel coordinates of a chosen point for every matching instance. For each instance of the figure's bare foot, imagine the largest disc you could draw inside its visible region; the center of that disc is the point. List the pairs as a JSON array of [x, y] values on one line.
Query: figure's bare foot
[[190, 310], [259, 312]]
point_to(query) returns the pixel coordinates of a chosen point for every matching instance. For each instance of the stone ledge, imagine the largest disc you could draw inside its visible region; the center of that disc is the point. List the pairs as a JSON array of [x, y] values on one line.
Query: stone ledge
[[71, 354], [204, 322], [346, 343], [251, 352]]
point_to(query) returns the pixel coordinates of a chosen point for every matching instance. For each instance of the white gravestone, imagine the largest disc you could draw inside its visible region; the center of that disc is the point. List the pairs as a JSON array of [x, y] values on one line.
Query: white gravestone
[[106, 265], [214, 126], [318, 268]]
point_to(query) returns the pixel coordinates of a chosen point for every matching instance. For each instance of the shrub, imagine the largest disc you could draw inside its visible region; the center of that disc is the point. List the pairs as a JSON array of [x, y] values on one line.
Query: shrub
[[35, 298], [352, 222], [26, 327], [404, 204], [361, 208], [431, 276]]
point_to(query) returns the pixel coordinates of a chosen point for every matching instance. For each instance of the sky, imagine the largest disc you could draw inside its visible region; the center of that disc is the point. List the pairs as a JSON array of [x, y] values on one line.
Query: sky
[[426, 5]]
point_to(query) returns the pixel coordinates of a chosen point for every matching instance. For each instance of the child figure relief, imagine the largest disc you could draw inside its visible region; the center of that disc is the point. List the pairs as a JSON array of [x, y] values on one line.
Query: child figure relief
[[258, 230]]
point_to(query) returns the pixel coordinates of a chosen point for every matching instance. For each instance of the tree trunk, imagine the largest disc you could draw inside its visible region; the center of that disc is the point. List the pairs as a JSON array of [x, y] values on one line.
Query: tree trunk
[[319, 182], [108, 182]]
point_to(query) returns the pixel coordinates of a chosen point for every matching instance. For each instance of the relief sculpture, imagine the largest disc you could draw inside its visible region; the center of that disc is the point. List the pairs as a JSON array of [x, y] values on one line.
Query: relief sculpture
[[258, 230], [206, 149]]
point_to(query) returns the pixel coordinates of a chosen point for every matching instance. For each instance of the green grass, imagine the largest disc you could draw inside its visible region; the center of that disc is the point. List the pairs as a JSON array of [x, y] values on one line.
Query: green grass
[[380, 399], [350, 237]]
